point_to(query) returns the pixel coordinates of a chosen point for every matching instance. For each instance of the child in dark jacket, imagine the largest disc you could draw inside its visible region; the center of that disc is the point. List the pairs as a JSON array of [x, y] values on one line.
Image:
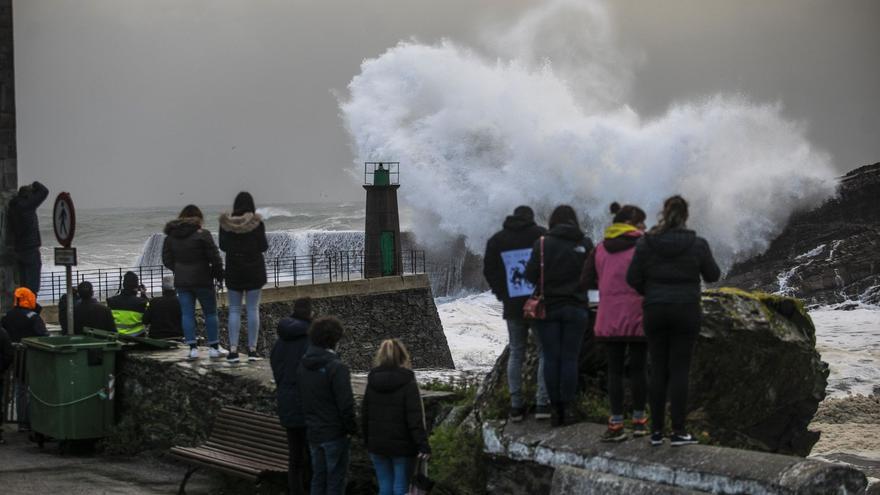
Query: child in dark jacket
[[328, 407], [286, 356], [393, 418]]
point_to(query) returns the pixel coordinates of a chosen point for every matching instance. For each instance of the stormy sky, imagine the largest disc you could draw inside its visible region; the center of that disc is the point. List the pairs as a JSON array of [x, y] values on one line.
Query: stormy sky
[[164, 102]]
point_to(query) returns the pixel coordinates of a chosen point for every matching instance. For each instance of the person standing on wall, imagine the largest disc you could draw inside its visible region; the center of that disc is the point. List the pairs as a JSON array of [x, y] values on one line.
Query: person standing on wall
[[507, 253], [22, 321], [562, 253], [666, 269], [189, 251], [243, 239], [163, 315], [25, 227], [288, 351], [393, 418], [129, 306], [619, 318]]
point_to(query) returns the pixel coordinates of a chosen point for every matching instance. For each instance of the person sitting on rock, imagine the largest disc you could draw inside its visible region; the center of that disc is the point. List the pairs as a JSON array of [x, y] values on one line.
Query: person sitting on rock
[[393, 418], [666, 269], [288, 351], [129, 306], [23, 321], [328, 407], [89, 313], [619, 317], [163, 315]]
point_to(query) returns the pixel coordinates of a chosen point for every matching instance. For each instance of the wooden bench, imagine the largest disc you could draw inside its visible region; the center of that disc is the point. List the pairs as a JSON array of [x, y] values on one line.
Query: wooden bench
[[244, 444]]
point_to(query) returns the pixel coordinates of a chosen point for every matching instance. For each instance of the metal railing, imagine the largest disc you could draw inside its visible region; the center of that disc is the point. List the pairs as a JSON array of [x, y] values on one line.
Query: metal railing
[[338, 266]]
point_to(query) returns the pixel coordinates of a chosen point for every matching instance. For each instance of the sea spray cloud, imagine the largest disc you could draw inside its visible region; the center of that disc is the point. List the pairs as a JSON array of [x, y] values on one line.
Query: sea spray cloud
[[478, 136]]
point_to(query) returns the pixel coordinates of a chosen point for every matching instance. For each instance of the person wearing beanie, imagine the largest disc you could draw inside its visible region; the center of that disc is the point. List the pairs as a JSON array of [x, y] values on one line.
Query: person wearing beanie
[[20, 322], [163, 315], [89, 313], [129, 305]]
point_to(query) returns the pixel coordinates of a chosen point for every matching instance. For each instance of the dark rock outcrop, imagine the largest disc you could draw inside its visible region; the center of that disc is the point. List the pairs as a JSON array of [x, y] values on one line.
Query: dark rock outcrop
[[756, 378], [828, 255]]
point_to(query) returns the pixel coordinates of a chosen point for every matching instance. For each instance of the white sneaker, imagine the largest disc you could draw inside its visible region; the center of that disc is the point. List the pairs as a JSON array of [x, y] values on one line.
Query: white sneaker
[[214, 353], [193, 353]]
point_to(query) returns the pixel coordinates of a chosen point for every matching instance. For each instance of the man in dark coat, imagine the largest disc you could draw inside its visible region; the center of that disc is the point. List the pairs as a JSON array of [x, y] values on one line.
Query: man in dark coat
[[507, 253], [163, 314], [328, 406], [286, 355], [20, 322], [25, 227], [89, 313]]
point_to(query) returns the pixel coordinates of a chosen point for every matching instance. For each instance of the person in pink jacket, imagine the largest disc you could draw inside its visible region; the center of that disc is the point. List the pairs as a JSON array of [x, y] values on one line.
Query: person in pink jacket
[[619, 318]]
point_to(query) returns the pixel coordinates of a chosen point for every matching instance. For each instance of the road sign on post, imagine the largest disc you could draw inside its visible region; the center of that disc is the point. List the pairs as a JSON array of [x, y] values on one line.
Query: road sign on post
[[64, 224]]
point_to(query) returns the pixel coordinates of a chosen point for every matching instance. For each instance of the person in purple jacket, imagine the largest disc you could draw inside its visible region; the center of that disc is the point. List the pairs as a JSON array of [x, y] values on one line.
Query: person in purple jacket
[[619, 317]]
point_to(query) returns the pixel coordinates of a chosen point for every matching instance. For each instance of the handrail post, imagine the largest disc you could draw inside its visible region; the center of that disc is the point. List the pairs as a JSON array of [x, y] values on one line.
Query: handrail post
[[276, 273], [312, 259], [294, 270]]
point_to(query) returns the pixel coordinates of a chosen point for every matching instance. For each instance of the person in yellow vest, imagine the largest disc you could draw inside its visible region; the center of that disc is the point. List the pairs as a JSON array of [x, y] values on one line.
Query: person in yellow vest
[[129, 305]]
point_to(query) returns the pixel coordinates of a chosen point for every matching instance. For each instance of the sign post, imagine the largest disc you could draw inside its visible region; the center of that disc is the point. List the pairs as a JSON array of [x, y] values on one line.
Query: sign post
[[64, 224]]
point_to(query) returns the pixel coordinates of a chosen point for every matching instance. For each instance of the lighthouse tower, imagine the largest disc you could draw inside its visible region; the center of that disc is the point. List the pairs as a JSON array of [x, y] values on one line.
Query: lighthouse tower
[[382, 229]]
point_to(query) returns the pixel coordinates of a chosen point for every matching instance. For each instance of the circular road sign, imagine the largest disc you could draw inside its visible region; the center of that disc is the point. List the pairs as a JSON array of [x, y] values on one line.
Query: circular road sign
[[64, 219]]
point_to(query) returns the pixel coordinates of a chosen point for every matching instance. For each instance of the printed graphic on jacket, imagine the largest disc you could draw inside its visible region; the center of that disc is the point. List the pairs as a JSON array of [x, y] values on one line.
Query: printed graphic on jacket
[[515, 262]]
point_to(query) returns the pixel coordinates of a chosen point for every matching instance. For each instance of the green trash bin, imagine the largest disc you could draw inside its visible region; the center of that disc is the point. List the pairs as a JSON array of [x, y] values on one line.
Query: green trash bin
[[71, 383]]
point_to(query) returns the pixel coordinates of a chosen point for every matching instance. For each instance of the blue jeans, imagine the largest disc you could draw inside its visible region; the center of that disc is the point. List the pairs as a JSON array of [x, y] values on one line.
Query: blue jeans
[[562, 334], [518, 334], [393, 473], [252, 298], [208, 300], [329, 466]]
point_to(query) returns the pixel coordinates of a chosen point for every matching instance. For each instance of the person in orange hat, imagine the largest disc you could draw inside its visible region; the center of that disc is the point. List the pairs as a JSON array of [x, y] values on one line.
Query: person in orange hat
[[23, 320]]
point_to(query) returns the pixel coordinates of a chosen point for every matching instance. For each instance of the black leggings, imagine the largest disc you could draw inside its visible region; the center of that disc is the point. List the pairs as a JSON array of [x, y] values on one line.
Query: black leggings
[[671, 330], [616, 364], [297, 461]]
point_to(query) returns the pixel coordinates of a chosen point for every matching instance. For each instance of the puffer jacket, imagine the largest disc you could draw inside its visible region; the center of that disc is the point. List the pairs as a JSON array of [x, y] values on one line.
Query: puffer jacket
[[666, 267], [21, 323], [286, 355], [23, 217], [565, 249], [507, 253], [392, 416], [243, 239], [324, 384], [189, 251]]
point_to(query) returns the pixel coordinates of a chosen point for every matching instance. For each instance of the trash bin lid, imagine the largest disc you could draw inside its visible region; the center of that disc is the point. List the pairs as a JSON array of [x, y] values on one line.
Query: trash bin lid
[[69, 343], [143, 342]]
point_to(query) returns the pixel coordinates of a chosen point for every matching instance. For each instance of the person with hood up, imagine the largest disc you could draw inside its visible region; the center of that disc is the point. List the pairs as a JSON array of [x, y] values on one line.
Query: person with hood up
[[666, 269], [507, 253], [163, 314], [128, 307], [619, 318], [286, 355], [89, 313], [393, 418], [328, 407], [189, 251], [25, 228], [243, 239], [20, 322], [564, 249]]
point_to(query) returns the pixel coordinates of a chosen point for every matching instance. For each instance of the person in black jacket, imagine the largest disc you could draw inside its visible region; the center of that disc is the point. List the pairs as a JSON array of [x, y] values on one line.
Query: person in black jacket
[[129, 306], [7, 355], [666, 269], [565, 248], [393, 418], [243, 239], [328, 407], [89, 313], [163, 315], [25, 227], [189, 251], [20, 322], [504, 264], [286, 355]]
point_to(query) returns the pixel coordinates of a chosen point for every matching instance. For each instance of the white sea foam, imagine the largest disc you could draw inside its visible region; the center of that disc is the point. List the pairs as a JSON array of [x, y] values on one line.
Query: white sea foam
[[474, 330], [268, 212], [546, 122]]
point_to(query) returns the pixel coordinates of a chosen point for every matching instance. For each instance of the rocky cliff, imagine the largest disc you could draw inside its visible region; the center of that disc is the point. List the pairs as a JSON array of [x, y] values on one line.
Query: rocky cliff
[[828, 255]]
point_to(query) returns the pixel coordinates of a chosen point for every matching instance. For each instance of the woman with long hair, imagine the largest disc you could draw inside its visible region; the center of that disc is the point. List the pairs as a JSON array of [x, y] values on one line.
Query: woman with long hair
[[619, 317], [554, 268], [393, 418], [189, 251], [243, 239], [666, 269]]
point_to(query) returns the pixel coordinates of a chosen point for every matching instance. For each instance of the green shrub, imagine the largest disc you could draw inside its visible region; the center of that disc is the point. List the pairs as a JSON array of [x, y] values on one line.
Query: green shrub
[[456, 463]]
